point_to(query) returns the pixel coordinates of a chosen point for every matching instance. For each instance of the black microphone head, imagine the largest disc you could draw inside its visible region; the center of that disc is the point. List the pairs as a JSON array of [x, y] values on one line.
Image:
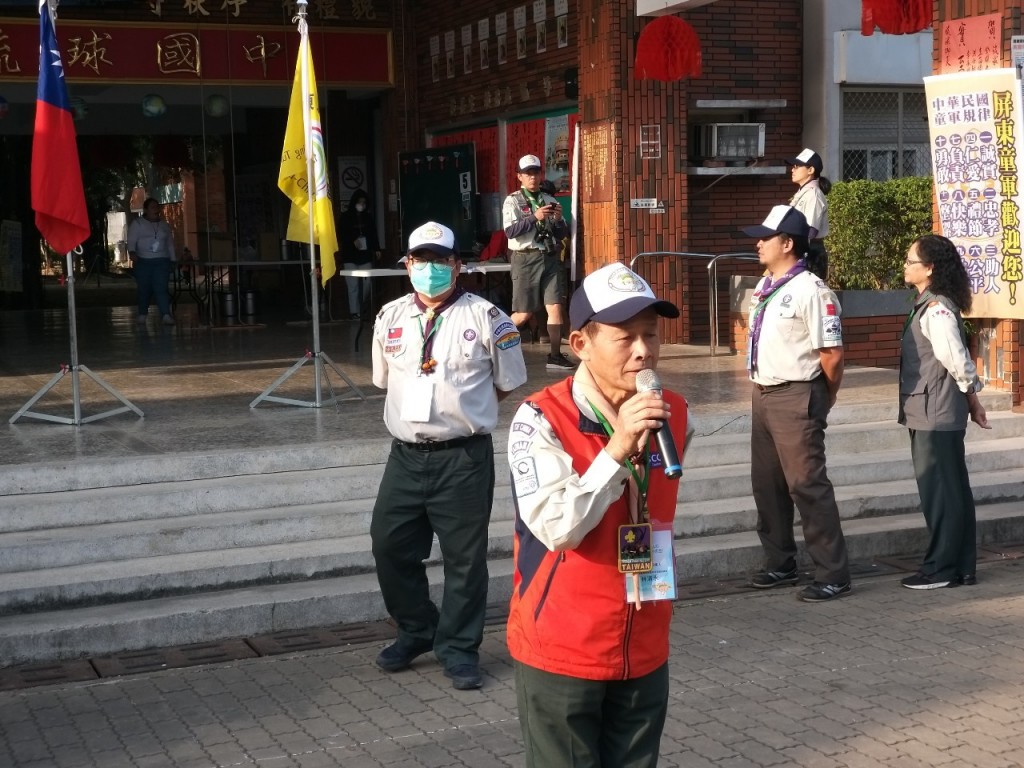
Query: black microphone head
[[647, 381]]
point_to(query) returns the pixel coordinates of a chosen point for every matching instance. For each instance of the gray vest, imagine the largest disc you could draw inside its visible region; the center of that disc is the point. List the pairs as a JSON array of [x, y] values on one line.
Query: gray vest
[[929, 396]]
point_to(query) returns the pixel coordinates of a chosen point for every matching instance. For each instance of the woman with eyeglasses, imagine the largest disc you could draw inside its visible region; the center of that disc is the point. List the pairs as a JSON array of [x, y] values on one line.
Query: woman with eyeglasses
[[938, 393]]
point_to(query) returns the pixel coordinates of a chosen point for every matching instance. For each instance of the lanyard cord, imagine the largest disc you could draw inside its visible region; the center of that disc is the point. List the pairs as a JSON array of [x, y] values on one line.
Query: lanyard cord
[[641, 482]]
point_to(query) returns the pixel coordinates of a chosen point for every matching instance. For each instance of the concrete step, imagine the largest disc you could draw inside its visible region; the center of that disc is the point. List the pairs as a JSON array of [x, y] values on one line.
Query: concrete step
[[730, 554], [203, 617], [187, 497], [56, 477], [202, 571], [860, 437], [712, 500], [709, 421], [845, 469], [712, 517], [264, 480], [130, 561]]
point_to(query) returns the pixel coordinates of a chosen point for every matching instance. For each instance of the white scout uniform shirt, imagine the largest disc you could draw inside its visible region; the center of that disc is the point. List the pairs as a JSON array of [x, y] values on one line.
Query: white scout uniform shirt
[[150, 239], [559, 506], [801, 318], [477, 348], [811, 202], [941, 328], [512, 212]]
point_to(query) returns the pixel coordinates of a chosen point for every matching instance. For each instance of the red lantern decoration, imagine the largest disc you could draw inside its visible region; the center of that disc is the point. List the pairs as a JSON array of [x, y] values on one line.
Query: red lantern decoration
[[895, 17], [668, 49]]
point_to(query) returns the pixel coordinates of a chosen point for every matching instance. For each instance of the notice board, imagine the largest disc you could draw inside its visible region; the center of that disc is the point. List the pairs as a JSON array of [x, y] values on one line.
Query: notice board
[[439, 184]]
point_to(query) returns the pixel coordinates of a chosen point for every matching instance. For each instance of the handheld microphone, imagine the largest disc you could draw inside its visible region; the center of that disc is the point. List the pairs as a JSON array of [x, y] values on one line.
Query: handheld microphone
[[648, 381]]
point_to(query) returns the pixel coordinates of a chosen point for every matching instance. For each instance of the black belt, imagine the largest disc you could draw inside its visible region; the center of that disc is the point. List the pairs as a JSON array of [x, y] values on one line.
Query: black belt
[[440, 445]]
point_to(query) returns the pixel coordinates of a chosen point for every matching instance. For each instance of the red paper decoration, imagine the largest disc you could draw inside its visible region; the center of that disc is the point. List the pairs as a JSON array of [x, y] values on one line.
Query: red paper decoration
[[895, 17], [668, 49]]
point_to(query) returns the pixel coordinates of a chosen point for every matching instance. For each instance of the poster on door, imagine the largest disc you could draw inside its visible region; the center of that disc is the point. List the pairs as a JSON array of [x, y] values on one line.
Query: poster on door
[[975, 126]]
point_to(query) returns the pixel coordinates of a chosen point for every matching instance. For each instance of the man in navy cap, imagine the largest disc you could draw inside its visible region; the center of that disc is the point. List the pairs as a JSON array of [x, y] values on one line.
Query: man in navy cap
[[594, 507], [795, 359]]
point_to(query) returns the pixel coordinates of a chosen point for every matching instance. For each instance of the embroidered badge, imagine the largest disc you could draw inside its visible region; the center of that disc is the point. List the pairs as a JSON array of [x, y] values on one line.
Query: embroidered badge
[[493, 312], [520, 446], [831, 328], [503, 329], [524, 477], [508, 341], [469, 334], [526, 429]]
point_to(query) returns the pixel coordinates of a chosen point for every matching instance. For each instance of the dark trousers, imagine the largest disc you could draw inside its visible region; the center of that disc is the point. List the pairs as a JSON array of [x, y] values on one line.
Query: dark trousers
[[947, 502], [568, 721], [787, 455], [447, 492], [152, 277]]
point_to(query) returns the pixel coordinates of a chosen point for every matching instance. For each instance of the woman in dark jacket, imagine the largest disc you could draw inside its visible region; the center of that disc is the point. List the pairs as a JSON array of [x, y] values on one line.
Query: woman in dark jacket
[[938, 392], [357, 241]]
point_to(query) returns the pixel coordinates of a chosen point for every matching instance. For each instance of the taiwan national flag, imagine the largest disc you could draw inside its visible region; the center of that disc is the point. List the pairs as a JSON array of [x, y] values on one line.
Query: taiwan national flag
[[58, 197]]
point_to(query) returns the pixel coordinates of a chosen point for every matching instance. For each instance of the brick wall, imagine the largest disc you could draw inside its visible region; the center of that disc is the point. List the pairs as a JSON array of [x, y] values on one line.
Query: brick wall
[[481, 96], [703, 214]]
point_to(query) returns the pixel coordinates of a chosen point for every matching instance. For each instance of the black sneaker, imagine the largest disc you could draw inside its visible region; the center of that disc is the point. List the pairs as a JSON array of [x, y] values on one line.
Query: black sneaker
[[397, 657], [819, 592], [967, 580], [560, 362], [769, 579], [464, 677], [924, 581]]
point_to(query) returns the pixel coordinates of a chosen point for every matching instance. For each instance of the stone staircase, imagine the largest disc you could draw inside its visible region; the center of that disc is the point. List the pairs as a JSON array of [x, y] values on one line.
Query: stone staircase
[[100, 556]]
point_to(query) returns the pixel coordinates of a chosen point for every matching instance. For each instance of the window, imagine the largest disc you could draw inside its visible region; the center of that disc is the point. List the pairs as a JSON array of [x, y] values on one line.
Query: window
[[884, 135]]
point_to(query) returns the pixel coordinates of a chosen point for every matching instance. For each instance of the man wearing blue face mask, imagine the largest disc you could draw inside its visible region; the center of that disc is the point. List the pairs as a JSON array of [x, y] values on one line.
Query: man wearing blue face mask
[[446, 357]]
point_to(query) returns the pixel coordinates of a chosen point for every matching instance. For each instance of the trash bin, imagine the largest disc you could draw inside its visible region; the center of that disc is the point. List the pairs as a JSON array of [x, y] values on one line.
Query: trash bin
[[227, 304], [249, 302]]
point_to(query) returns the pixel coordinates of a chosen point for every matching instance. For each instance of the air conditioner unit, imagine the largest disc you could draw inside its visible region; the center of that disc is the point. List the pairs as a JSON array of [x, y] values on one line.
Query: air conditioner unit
[[731, 141]]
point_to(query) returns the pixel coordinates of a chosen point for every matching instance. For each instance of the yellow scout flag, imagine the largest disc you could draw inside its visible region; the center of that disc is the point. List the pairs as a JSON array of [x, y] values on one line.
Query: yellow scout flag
[[292, 179]]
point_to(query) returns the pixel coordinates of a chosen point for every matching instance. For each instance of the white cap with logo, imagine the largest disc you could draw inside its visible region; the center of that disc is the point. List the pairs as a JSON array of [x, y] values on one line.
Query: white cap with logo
[[528, 163], [613, 294]]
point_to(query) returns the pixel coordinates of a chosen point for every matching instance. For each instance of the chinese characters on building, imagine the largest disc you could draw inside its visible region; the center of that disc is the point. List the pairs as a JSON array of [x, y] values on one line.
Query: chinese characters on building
[[975, 126]]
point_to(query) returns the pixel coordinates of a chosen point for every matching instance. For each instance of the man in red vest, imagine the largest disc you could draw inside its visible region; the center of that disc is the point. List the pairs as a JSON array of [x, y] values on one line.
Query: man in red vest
[[594, 571]]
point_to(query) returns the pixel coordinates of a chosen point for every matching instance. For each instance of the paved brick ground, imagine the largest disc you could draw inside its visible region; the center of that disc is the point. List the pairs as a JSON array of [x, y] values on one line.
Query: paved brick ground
[[884, 677]]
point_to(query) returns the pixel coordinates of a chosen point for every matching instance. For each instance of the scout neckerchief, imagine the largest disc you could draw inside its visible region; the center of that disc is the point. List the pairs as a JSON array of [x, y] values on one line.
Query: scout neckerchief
[[427, 333], [535, 200], [763, 296]]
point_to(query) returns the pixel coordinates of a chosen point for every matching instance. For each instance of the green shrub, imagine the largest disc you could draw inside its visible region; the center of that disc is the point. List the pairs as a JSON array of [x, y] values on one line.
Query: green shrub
[[871, 224]]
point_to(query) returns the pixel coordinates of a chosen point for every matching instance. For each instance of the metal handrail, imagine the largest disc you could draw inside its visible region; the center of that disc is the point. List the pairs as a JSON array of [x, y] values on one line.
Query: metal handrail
[[712, 267], [713, 291]]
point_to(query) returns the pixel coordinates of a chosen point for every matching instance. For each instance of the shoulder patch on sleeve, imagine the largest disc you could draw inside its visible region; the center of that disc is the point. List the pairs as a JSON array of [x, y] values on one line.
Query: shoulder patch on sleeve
[[524, 476], [831, 328]]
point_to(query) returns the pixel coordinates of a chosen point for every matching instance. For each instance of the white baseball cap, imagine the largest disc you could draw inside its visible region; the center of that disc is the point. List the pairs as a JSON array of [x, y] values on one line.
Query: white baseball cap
[[613, 294], [433, 237], [528, 163]]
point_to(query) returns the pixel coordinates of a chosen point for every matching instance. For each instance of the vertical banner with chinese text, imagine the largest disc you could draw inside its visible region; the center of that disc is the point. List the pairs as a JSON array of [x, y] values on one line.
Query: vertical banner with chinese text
[[976, 127]]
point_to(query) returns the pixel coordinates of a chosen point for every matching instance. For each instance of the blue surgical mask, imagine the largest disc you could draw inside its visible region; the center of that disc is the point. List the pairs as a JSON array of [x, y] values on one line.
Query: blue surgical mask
[[431, 279]]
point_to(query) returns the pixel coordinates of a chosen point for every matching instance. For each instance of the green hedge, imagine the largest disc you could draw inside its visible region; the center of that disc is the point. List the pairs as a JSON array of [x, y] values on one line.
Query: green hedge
[[871, 224]]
